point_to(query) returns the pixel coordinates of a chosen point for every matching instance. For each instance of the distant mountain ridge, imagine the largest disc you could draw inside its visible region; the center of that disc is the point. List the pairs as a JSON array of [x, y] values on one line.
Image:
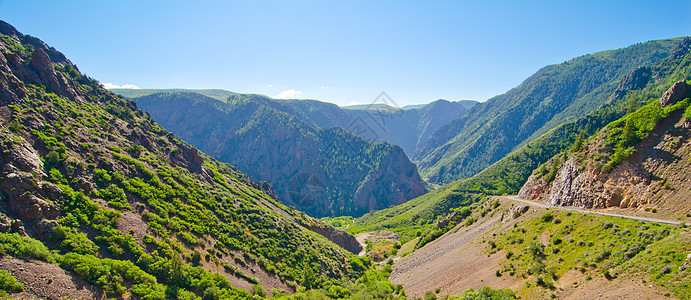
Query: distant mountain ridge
[[213, 93], [322, 171], [554, 95], [408, 127]]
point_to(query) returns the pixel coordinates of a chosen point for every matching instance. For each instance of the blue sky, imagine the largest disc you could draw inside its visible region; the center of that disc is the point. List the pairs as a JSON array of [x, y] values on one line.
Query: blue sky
[[338, 51]]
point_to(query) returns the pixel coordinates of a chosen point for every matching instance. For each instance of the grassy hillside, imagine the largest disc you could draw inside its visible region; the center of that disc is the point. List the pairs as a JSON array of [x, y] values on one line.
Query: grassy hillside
[[580, 247], [94, 185], [217, 94], [509, 174], [554, 95], [544, 253]]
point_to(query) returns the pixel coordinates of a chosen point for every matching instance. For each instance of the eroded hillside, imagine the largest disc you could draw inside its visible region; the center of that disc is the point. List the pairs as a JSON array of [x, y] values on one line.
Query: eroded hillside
[[543, 253], [639, 163]]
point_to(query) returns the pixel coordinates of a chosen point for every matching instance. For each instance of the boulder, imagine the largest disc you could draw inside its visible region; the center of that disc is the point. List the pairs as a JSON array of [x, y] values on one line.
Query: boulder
[[679, 91]]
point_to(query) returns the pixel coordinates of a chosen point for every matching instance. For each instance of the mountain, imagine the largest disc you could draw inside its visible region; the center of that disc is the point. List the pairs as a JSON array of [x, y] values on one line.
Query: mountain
[[96, 196], [639, 163], [322, 171], [629, 157], [213, 93], [554, 95], [509, 175], [407, 127]]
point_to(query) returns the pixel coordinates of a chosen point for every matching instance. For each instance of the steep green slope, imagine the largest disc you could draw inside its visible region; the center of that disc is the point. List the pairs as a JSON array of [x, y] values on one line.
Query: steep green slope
[[638, 163], [508, 175], [324, 172], [554, 95], [128, 206]]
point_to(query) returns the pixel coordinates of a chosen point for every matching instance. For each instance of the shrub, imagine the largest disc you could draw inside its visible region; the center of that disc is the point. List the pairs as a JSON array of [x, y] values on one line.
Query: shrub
[[429, 295], [72, 241], [24, 247], [196, 258], [110, 275], [547, 217], [102, 178], [9, 284]]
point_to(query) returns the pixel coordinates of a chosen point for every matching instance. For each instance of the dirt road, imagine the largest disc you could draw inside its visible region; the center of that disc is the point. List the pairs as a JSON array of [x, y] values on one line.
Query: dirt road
[[585, 211]]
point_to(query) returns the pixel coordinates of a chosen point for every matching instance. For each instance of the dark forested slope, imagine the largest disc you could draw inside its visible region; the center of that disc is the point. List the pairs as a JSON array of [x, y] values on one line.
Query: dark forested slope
[[322, 171]]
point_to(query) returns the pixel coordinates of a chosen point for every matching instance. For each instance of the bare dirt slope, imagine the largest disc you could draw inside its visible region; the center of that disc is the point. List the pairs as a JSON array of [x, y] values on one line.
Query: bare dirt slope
[[455, 262], [47, 281], [459, 260]]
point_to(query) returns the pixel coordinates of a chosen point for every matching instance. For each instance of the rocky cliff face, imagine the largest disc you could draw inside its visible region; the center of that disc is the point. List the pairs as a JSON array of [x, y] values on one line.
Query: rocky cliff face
[[391, 184], [27, 202], [655, 176], [39, 70]]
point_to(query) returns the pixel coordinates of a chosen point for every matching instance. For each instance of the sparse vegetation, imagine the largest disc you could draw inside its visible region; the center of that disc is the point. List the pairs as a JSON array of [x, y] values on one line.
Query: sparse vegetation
[[599, 250]]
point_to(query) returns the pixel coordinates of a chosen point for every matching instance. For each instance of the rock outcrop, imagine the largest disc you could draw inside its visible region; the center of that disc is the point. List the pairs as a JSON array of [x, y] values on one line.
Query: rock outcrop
[[338, 237], [679, 91], [654, 176], [28, 200], [39, 70]]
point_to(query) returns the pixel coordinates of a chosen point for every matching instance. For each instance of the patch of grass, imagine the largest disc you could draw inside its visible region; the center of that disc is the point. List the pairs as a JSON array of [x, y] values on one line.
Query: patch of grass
[[669, 253], [610, 245], [24, 247], [9, 284]]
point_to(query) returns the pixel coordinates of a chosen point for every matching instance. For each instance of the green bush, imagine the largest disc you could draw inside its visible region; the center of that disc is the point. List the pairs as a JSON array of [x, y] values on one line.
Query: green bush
[[72, 241], [102, 178], [9, 284], [547, 217], [486, 293], [112, 275], [23, 247], [115, 196]]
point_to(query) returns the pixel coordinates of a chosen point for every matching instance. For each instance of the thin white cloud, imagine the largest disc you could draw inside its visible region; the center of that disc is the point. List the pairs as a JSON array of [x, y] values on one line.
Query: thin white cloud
[[288, 94], [270, 85], [324, 87], [109, 86]]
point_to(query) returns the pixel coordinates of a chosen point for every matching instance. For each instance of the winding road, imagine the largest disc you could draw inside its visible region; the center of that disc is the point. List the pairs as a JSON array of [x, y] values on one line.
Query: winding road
[[537, 204]]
